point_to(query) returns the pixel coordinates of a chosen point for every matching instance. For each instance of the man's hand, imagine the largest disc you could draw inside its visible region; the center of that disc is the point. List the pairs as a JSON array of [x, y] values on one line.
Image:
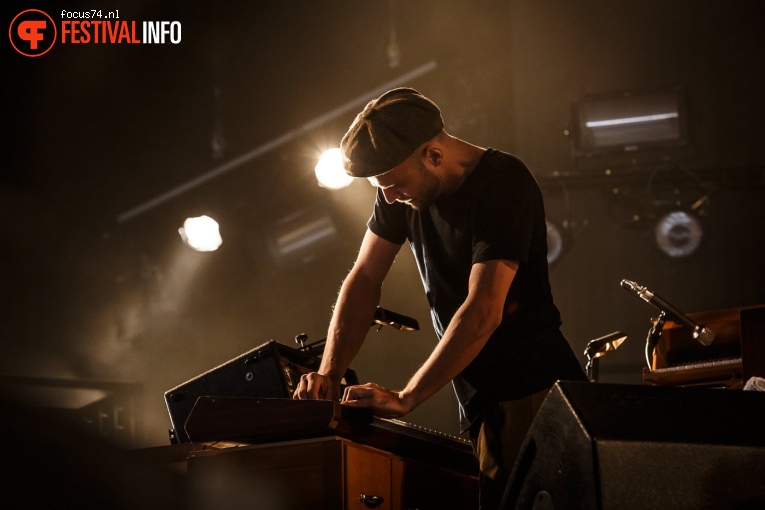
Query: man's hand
[[383, 402], [314, 386]]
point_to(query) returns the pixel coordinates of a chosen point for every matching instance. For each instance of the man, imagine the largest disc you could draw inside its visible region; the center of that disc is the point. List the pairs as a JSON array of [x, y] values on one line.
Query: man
[[474, 218]]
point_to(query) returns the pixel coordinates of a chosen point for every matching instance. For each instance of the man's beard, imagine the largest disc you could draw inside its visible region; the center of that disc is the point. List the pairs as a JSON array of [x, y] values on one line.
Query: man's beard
[[431, 189]]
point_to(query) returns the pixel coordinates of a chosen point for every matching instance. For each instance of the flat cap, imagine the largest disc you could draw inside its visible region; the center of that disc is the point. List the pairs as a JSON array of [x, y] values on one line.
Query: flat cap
[[389, 130]]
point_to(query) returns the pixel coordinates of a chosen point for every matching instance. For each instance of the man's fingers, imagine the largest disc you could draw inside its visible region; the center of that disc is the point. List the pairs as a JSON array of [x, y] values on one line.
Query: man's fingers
[[361, 392], [355, 393], [300, 392], [309, 387], [383, 402]]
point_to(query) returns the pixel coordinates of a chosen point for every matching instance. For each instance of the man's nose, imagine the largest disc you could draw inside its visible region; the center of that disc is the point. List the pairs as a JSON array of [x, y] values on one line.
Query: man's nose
[[390, 195]]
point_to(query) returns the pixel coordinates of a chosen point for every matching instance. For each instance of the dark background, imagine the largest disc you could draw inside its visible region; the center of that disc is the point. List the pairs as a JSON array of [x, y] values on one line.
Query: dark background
[[92, 291]]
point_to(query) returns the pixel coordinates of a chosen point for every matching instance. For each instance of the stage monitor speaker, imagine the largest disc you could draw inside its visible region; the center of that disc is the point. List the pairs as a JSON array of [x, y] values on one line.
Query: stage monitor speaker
[[596, 446], [271, 370]]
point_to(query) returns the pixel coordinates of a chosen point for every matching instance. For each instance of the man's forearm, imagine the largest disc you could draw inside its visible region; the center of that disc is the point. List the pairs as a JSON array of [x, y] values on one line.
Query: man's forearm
[[467, 333], [461, 343], [351, 320]]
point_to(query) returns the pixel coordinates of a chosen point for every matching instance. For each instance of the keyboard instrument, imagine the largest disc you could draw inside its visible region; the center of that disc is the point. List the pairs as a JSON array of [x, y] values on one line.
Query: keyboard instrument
[[262, 420], [736, 354]]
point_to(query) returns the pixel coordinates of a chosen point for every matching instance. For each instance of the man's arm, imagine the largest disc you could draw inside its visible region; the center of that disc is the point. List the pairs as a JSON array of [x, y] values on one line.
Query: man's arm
[[351, 318], [467, 333]]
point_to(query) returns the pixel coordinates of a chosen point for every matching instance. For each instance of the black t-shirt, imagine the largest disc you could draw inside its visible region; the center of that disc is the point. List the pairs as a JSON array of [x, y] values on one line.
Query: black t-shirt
[[497, 213]]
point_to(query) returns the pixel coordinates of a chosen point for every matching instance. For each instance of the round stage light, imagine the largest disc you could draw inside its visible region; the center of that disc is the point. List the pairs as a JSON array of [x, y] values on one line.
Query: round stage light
[[554, 242], [201, 233], [678, 234], [329, 170]]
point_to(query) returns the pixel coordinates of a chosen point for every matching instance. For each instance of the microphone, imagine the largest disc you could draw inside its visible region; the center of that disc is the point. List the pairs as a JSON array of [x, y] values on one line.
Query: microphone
[[700, 332]]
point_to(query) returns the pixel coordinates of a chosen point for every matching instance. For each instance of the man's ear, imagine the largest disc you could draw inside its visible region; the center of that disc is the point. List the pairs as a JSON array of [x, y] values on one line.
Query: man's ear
[[433, 155]]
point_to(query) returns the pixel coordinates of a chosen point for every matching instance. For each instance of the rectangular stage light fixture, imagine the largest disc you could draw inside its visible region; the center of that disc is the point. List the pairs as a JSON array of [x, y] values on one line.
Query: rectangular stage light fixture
[[622, 127]]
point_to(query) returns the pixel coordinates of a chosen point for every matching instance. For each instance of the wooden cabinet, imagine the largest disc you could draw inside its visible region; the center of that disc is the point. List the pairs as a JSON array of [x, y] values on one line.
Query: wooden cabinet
[[325, 473], [369, 478]]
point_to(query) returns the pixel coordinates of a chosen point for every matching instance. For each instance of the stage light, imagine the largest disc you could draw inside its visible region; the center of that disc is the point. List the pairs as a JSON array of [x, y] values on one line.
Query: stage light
[[330, 172], [555, 242], [630, 127], [201, 233], [678, 234]]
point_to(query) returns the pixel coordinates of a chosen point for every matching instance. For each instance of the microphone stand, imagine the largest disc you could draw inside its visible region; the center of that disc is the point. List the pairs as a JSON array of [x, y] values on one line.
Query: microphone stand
[[654, 335]]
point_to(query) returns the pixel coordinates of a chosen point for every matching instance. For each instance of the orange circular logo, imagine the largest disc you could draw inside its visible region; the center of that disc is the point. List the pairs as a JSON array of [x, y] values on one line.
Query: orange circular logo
[[32, 33]]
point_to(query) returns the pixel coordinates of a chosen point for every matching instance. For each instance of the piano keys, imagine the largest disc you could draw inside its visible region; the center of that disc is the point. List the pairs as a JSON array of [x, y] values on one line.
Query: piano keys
[[736, 354]]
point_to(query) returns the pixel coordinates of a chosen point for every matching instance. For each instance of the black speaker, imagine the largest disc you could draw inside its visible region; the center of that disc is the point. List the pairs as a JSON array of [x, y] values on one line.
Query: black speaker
[[596, 446], [271, 370]]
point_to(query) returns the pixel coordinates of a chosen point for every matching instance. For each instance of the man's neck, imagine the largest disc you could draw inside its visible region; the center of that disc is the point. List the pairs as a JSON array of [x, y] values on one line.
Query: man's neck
[[463, 160]]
